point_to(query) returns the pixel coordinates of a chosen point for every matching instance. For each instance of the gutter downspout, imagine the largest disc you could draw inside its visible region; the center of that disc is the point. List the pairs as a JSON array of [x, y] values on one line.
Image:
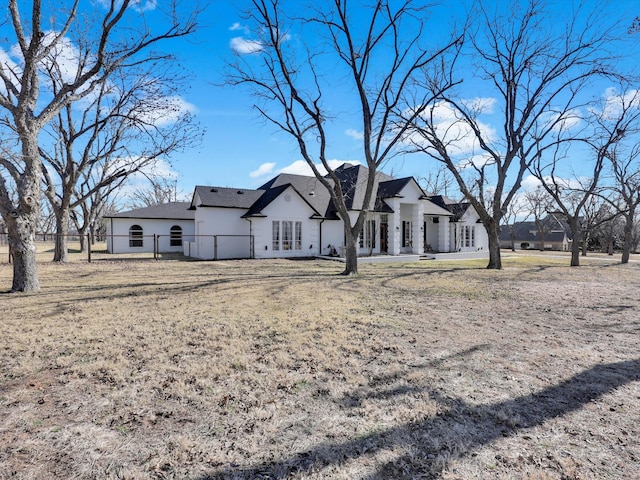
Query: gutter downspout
[[320, 248]]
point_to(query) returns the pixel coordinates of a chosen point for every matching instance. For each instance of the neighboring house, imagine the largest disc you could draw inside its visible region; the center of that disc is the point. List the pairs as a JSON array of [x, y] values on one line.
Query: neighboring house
[[293, 216], [169, 224], [557, 235]]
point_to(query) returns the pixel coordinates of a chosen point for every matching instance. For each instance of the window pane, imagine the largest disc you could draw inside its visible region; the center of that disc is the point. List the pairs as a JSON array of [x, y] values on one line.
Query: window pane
[[276, 235], [298, 235], [135, 236], [287, 235], [176, 236]]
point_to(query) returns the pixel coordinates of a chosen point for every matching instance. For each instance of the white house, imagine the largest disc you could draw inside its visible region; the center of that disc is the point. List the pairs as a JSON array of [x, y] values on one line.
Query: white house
[[168, 225], [293, 216]]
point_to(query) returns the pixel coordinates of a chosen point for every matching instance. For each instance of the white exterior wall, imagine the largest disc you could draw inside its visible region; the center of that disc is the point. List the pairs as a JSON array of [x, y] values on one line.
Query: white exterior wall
[[332, 234], [118, 234], [288, 206], [210, 221], [470, 218]]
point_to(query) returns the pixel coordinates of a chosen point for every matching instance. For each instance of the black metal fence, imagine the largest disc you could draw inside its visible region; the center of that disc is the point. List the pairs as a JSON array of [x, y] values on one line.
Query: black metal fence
[[125, 247]]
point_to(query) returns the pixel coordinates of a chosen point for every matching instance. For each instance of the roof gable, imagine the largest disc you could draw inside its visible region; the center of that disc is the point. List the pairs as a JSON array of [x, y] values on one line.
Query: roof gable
[[272, 194]]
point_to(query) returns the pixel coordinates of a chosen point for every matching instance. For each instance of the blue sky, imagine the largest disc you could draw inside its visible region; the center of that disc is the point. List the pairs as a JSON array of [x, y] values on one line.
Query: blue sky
[[239, 149]]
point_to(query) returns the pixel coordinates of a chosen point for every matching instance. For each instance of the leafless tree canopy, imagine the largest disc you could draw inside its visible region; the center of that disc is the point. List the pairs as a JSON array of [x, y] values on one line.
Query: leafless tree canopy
[[96, 44], [534, 85], [358, 59]]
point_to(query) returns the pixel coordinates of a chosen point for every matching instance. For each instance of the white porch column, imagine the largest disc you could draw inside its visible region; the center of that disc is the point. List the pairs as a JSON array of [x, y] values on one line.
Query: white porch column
[[394, 226], [417, 222], [444, 234]]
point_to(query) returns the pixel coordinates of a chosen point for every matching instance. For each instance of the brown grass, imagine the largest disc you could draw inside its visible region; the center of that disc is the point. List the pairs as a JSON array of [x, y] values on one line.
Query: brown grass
[[283, 369]]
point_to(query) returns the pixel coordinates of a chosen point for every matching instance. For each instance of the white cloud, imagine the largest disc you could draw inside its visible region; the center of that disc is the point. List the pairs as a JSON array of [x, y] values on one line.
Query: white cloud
[[350, 132], [478, 160], [144, 5], [136, 5], [245, 46], [237, 26], [264, 169], [480, 104], [454, 131], [168, 110], [301, 167], [565, 121], [614, 103], [530, 183]]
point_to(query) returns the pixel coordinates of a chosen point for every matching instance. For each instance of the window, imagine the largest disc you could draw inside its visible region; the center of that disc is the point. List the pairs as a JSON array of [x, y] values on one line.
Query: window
[[371, 233], [291, 235], [135, 236], [407, 237], [276, 235], [469, 236], [176, 236], [287, 235], [298, 235]]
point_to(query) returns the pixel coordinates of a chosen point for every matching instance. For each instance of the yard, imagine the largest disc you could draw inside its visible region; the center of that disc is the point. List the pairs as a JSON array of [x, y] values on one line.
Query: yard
[[283, 369]]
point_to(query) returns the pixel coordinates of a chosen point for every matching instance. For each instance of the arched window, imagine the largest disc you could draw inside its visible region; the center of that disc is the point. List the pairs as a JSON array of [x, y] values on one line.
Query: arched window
[[176, 236], [135, 236]]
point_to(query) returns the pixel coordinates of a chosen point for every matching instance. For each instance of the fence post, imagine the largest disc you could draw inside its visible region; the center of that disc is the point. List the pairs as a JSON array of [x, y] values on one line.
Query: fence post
[[88, 247]]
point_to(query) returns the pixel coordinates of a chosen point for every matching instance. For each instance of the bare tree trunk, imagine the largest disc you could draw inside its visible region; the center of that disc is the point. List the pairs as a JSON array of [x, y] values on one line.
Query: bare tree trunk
[[351, 251], [585, 243], [22, 222], [575, 254], [22, 246], [628, 236], [61, 249], [575, 246], [495, 260], [83, 241]]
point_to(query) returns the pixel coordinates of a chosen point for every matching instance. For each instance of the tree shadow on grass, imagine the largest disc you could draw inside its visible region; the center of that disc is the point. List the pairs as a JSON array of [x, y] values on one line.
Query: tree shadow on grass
[[460, 429]]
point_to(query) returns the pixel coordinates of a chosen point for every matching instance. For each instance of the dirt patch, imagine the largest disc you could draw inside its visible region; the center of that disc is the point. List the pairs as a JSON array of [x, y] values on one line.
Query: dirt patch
[[281, 369]]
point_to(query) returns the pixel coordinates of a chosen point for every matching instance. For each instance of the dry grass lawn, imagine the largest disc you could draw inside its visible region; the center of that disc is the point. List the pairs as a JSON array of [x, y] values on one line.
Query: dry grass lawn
[[283, 369]]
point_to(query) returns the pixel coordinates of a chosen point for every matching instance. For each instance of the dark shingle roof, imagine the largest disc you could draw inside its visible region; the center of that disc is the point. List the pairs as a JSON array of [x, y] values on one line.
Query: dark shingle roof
[[458, 209], [226, 197], [353, 180], [170, 211]]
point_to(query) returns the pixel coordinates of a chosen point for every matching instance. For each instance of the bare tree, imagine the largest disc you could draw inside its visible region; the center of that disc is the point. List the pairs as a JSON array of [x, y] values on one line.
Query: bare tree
[[87, 217], [622, 113], [159, 190], [517, 213], [114, 38], [132, 120], [539, 204], [532, 84], [617, 116], [439, 182], [370, 54]]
